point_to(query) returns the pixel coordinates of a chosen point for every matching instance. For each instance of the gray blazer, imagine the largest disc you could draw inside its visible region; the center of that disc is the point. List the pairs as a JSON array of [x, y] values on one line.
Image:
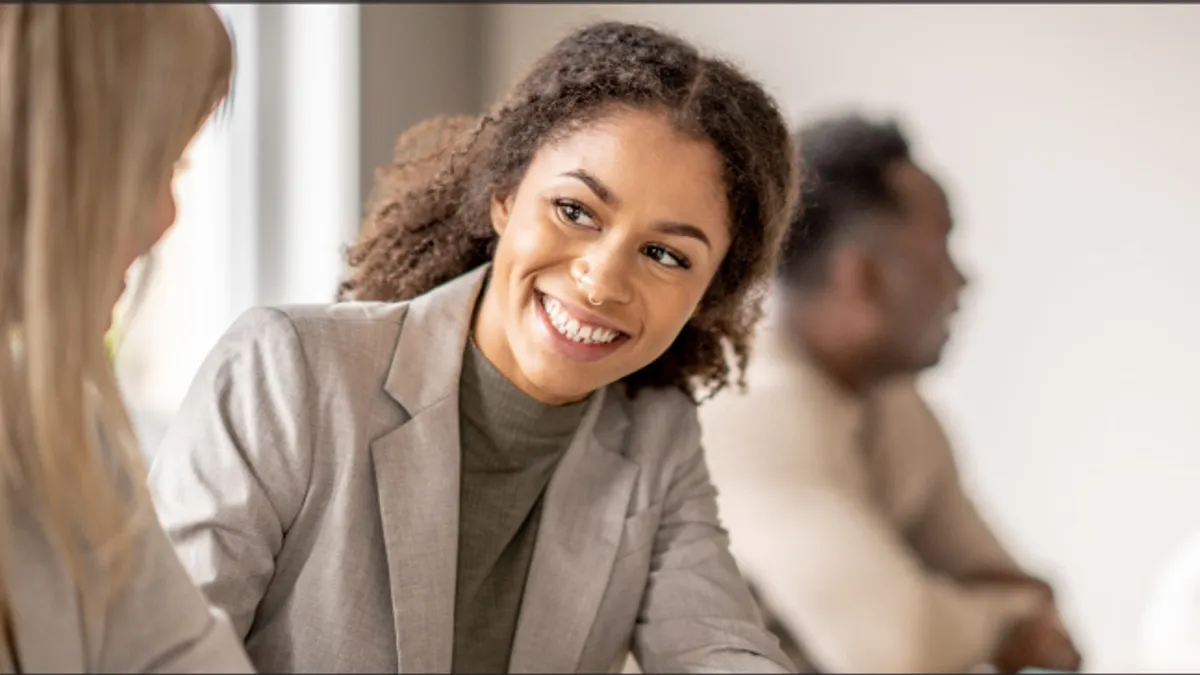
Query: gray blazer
[[310, 483], [157, 623]]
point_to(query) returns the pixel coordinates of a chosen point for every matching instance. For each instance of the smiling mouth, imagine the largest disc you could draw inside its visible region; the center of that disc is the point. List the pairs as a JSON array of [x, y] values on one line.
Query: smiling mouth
[[572, 328]]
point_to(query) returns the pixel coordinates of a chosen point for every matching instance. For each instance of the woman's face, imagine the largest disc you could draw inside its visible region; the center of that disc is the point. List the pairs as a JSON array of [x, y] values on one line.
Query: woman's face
[[161, 220], [606, 248]]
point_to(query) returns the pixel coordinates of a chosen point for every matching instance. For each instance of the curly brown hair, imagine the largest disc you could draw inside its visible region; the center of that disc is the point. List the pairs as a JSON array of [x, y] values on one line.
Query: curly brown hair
[[428, 219]]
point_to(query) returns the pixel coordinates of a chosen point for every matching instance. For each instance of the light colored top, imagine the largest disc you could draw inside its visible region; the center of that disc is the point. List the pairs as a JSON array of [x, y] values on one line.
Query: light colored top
[[849, 516], [511, 443], [311, 485], [159, 622]]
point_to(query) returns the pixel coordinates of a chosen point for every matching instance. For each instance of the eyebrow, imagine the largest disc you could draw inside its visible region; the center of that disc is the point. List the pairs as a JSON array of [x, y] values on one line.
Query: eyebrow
[[606, 195], [594, 185], [684, 230]]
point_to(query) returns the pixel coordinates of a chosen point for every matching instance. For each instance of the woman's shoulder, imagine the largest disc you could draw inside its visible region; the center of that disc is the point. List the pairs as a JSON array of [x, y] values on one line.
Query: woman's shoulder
[[659, 417], [317, 328], [325, 321], [303, 345], [41, 593], [656, 403]]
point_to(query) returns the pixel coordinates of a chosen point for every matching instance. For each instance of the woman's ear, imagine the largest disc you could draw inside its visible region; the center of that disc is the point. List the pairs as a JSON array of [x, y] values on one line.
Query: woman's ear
[[501, 210]]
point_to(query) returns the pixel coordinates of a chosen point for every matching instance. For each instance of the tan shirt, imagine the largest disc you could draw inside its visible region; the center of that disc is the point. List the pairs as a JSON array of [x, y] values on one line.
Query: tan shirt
[[849, 515]]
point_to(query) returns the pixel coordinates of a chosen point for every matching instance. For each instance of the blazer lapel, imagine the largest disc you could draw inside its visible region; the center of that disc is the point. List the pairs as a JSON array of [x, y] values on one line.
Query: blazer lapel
[[417, 469], [580, 531]]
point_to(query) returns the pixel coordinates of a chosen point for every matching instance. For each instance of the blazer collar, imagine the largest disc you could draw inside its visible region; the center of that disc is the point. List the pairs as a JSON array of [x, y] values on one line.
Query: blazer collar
[[428, 359], [427, 364], [417, 470]]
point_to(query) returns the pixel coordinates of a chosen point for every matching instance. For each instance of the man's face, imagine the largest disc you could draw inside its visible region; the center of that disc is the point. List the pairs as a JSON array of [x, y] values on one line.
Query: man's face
[[920, 283]]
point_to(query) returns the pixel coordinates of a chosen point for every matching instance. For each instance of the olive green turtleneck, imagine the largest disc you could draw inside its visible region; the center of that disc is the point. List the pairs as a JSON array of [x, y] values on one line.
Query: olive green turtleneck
[[511, 444]]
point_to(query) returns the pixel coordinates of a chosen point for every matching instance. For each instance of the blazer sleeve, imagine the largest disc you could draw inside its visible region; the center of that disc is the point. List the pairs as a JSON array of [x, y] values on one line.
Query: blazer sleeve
[[697, 614], [233, 469]]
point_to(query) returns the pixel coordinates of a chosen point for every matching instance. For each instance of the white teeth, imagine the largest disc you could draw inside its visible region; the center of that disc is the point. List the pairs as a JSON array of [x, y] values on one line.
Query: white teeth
[[571, 328]]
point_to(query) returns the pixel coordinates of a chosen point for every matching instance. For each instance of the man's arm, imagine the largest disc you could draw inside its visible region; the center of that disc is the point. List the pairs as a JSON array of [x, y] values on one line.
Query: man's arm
[[951, 536], [845, 582]]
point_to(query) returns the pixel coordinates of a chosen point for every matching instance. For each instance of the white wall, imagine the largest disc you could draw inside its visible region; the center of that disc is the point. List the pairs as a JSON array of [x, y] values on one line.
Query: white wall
[[1068, 136]]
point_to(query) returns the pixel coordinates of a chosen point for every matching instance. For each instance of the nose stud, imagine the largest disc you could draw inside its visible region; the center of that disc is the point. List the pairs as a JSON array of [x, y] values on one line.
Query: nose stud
[[584, 281]]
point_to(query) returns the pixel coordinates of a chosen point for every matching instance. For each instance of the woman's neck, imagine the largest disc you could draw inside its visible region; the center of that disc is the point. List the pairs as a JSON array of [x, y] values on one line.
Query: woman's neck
[[488, 331]]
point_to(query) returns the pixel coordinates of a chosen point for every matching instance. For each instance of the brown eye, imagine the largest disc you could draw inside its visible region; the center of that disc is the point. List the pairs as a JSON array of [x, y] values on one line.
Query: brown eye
[[574, 213], [663, 256]]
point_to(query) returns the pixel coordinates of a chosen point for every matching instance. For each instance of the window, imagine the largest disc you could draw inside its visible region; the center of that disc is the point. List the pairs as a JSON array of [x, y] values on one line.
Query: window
[[190, 295], [269, 199]]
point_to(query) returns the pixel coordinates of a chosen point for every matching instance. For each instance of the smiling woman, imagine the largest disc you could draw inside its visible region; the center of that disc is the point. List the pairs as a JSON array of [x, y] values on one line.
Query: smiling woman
[[602, 219], [512, 422], [658, 116]]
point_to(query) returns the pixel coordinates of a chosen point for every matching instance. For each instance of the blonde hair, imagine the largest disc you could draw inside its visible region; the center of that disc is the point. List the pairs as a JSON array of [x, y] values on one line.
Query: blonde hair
[[97, 104]]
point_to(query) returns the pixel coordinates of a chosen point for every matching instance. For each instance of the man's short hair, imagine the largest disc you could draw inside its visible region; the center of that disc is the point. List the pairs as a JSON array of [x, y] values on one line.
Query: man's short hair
[[844, 160]]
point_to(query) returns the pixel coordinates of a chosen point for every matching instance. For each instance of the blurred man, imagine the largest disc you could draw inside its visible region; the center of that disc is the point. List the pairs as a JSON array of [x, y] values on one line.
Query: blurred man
[[837, 483]]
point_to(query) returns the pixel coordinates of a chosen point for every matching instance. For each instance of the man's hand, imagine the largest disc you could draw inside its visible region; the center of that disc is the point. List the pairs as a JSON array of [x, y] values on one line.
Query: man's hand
[[1040, 641]]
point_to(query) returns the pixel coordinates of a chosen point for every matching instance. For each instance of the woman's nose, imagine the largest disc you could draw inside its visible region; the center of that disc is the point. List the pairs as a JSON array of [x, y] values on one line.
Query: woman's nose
[[603, 275]]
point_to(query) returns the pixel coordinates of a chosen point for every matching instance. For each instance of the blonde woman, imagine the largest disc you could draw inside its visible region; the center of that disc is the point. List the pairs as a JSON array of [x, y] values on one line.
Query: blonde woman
[[98, 104]]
